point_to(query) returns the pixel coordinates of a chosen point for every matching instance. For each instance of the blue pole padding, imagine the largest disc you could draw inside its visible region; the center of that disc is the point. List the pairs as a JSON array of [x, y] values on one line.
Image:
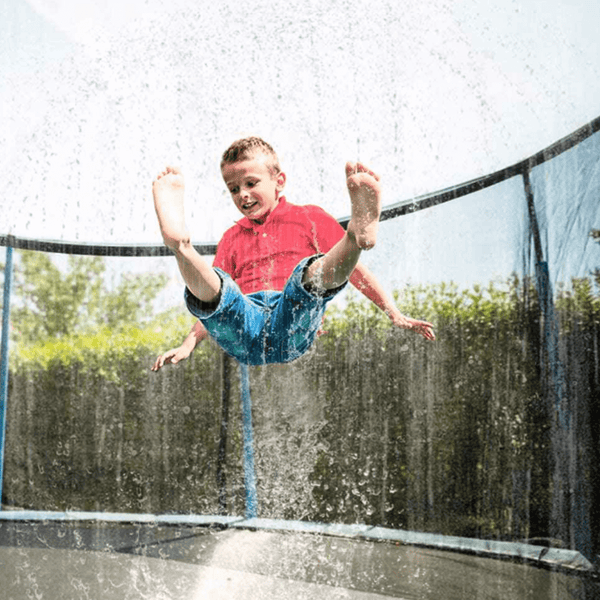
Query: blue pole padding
[[8, 269], [248, 435]]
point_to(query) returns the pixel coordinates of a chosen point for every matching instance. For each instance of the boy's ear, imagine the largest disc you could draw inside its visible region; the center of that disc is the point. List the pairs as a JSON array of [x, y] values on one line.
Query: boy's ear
[[281, 179]]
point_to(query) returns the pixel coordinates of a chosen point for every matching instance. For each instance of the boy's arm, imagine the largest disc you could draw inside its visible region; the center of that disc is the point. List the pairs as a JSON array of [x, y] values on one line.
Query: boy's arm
[[366, 283], [196, 335]]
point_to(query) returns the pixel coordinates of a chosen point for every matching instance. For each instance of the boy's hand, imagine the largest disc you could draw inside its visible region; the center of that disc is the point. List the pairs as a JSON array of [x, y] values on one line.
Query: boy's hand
[[172, 357], [421, 327]]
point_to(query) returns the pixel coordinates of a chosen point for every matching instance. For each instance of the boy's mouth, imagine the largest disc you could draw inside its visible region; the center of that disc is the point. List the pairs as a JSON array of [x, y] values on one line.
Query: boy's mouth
[[248, 205]]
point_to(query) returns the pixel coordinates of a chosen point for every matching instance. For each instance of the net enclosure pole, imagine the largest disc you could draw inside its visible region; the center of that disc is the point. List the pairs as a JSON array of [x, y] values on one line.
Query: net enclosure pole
[[248, 442], [8, 269], [222, 459], [570, 511]]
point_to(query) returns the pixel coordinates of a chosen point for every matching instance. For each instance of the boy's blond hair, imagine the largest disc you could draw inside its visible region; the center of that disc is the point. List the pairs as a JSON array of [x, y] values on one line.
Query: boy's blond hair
[[249, 147]]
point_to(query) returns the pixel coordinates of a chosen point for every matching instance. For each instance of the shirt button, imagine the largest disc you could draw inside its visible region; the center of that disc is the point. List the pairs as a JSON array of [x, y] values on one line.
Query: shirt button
[[264, 235]]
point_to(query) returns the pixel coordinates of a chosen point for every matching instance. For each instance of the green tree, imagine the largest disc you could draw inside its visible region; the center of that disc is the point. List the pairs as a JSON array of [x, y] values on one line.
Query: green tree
[[51, 303]]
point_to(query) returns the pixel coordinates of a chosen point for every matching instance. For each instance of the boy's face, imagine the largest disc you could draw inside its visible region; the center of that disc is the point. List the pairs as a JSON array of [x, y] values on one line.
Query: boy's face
[[255, 191]]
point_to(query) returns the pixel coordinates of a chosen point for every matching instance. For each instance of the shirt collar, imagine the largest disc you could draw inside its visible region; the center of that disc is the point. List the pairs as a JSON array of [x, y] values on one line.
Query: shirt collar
[[281, 207]]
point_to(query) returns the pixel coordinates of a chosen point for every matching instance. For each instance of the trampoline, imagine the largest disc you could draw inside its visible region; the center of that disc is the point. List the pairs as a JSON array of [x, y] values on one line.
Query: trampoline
[[376, 466], [112, 556]]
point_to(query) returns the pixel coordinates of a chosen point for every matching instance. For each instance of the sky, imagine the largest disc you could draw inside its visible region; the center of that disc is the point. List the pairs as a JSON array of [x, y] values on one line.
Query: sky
[[96, 97]]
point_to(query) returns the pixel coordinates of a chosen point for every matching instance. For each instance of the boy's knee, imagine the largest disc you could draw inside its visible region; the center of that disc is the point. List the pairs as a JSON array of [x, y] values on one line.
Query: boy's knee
[[312, 275]]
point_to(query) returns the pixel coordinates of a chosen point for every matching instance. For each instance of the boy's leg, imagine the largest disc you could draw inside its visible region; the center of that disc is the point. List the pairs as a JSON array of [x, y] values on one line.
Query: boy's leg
[[237, 323], [335, 267], [198, 275]]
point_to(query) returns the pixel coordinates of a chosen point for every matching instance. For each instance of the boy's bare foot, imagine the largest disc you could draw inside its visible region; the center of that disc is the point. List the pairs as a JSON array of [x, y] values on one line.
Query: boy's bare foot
[[167, 190], [365, 195]]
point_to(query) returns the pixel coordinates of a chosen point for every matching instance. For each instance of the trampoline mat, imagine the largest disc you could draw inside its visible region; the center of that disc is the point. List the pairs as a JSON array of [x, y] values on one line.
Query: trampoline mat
[[62, 561]]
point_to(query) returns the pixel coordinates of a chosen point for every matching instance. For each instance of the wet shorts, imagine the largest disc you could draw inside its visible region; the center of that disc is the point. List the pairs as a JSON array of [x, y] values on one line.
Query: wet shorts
[[264, 327]]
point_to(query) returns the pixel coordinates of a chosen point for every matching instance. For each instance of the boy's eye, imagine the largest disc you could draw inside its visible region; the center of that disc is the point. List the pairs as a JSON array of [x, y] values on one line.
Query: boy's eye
[[234, 190]]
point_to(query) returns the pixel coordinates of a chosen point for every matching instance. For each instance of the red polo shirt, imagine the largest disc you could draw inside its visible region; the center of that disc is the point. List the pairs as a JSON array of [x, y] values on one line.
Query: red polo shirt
[[262, 256]]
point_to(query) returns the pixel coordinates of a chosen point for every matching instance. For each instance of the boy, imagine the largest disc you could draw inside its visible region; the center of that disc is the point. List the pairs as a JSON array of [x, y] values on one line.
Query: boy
[[277, 268]]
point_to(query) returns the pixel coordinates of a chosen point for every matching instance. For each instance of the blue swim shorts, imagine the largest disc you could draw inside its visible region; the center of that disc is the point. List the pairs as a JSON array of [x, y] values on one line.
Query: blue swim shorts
[[264, 327]]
